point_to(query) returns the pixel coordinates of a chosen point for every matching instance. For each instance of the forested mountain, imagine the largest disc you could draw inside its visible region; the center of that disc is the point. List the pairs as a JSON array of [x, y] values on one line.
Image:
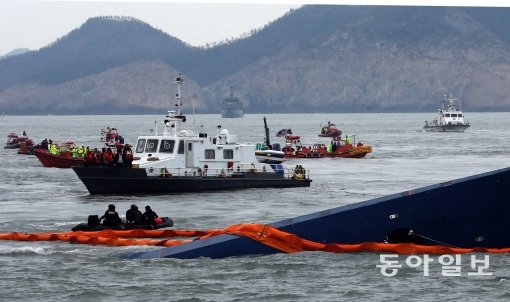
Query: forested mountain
[[317, 58]]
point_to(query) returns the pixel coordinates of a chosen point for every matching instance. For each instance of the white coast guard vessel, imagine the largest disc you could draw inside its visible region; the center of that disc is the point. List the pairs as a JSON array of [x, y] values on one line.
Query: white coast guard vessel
[[448, 119], [178, 160]]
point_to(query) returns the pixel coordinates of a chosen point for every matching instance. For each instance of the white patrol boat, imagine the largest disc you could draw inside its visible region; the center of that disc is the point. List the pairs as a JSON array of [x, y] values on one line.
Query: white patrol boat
[[448, 119], [179, 160]]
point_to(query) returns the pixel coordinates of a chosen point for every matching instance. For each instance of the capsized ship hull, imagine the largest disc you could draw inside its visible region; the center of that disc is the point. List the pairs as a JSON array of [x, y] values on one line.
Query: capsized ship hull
[[467, 212], [100, 180]]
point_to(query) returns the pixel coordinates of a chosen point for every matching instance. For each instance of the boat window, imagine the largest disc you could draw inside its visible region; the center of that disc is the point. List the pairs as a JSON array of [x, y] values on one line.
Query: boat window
[[152, 145], [181, 147], [460, 114], [210, 154], [447, 115], [228, 154], [190, 146], [167, 146], [140, 145], [454, 115]]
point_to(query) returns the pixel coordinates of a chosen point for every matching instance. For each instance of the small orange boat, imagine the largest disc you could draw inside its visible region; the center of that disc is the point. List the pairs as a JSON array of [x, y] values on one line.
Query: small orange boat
[[337, 148], [61, 160]]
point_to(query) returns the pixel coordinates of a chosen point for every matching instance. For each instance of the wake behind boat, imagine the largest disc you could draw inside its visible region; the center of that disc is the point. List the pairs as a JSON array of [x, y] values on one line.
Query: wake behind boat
[[179, 160], [448, 119]]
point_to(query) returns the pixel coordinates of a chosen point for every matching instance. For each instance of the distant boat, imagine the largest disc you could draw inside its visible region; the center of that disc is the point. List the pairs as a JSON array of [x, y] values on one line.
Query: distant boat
[[232, 107], [330, 130], [448, 119]]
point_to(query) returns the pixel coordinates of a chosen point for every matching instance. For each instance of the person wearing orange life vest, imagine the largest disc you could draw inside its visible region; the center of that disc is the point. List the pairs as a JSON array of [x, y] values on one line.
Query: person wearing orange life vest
[[127, 156], [108, 158], [89, 158]]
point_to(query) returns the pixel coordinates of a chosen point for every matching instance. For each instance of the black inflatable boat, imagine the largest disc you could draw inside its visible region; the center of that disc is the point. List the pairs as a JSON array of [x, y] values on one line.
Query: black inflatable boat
[[94, 225]]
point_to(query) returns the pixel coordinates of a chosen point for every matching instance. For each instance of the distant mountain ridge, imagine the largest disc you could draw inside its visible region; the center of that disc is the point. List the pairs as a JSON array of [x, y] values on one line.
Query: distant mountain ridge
[[317, 58]]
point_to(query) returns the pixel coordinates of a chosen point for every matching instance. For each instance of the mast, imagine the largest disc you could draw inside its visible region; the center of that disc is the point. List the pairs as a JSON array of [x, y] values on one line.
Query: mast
[[175, 118], [179, 80], [266, 140]]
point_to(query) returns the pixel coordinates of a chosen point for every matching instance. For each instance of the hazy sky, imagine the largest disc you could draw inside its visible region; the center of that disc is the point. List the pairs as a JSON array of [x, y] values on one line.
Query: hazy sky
[[37, 23]]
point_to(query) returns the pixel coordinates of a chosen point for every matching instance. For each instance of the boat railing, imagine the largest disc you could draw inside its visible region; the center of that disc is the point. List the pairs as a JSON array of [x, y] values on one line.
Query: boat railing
[[297, 172]]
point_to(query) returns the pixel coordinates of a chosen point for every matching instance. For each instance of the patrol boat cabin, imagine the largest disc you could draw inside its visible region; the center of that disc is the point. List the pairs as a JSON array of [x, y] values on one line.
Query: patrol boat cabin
[[183, 153]]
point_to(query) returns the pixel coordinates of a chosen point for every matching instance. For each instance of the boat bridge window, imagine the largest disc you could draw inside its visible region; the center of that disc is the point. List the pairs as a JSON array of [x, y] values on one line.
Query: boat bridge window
[[180, 150], [209, 154], [228, 154], [460, 115], [447, 115], [140, 145], [167, 146], [152, 145], [454, 115]]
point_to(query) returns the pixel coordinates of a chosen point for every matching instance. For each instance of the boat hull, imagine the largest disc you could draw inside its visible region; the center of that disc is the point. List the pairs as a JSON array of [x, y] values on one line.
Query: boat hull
[[270, 156], [232, 113], [57, 161], [468, 212], [345, 151], [446, 128], [100, 180], [167, 223]]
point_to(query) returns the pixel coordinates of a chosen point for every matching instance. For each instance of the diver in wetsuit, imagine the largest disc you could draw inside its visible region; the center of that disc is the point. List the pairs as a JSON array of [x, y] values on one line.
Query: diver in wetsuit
[[134, 216], [149, 215], [111, 217]]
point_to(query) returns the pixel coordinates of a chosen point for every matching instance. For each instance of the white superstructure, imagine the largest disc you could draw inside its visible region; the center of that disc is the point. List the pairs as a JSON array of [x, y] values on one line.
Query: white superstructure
[[449, 118], [181, 152]]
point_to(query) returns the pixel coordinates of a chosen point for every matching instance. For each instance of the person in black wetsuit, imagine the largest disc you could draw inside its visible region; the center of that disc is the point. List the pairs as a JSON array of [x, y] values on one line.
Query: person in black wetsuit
[[149, 215], [134, 216], [111, 217]]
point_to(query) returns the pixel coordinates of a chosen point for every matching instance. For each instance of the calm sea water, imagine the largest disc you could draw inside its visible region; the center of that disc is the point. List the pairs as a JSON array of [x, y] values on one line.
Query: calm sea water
[[35, 199]]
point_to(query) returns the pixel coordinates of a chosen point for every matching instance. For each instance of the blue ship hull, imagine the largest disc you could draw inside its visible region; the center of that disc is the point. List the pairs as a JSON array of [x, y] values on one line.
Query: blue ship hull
[[468, 212]]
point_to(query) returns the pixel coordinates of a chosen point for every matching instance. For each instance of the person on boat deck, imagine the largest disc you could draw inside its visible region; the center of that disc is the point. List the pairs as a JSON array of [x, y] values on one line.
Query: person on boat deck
[[107, 157], [149, 215], [117, 158], [330, 147], [53, 149], [347, 139], [81, 151], [134, 216], [89, 158], [127, 156], [111, 217], [97, 157]]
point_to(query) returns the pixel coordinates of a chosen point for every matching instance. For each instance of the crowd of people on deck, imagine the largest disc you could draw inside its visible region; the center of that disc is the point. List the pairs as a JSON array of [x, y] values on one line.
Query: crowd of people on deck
[[133, 216], [120, 156], [337, 143]]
